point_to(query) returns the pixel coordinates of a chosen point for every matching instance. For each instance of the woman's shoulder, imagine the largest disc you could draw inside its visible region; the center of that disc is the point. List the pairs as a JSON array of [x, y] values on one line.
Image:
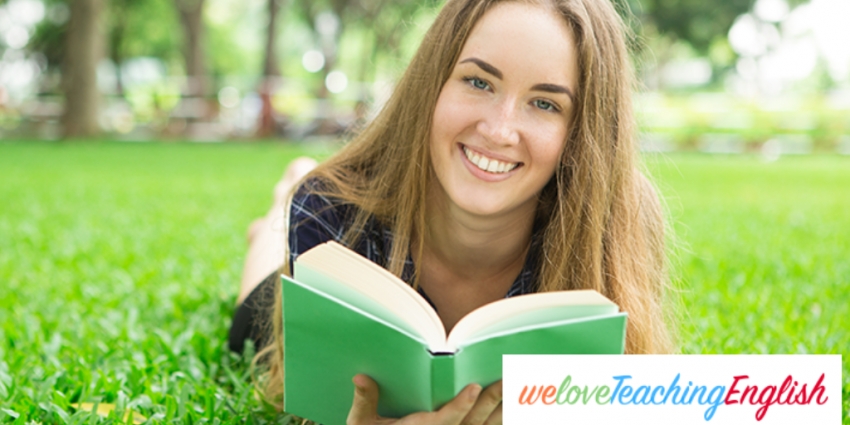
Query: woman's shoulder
[[318, 215], [314, 205], [315, 217]]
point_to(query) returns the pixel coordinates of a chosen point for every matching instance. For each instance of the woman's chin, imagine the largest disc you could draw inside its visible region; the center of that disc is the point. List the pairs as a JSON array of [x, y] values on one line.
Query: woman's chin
[[483, 207]]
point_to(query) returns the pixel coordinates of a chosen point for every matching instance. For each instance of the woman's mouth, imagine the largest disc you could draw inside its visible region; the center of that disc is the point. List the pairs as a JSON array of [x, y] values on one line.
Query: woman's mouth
[[487, 164]]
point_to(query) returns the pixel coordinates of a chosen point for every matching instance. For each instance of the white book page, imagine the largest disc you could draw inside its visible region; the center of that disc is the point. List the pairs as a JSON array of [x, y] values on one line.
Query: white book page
[[530, 309], [378, 284]]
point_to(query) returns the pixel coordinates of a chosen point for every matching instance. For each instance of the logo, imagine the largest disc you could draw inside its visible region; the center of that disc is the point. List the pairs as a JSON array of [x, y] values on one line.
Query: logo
[[716, 389]]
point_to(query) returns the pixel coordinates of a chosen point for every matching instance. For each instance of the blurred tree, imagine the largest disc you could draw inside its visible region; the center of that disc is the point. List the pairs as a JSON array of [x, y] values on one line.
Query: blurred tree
[[79, 75], [384, 23], [697, 22], [270, 65], [671, 29], [385, 20], [326, 21], [119, 15], [700, 23], [50, 37], [140, 28], [134, 28], [191, 19], [323, 18], [270, 72]]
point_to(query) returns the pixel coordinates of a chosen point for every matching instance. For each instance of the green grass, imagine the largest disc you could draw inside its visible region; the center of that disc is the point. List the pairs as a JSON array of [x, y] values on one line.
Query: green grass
[[119, 267], [762, 254]]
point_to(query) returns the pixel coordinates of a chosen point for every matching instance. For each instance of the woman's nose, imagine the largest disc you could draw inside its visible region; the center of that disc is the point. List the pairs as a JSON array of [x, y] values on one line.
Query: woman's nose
[[500, 125]]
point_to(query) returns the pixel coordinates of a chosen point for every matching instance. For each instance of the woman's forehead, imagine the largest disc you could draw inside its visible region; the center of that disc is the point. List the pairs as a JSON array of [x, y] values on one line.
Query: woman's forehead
[[524, 40]]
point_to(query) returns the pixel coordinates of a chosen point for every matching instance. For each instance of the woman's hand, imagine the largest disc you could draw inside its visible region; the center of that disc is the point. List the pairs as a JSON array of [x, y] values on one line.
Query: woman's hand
[[471, 407]]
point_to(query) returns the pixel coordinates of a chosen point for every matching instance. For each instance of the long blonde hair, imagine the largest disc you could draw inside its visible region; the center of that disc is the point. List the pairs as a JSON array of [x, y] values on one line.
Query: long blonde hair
[[603, 227]]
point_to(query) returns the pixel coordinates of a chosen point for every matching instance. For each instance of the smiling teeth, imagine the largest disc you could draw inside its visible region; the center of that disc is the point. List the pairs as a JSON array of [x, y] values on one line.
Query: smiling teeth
[[489, 165]]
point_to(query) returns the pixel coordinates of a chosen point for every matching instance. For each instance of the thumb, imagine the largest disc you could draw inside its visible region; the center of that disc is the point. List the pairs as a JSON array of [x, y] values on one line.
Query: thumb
[[454, 411], [364, 409]]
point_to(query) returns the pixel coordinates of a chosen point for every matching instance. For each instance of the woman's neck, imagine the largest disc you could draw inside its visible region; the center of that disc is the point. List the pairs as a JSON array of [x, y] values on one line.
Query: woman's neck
[[473, 247]]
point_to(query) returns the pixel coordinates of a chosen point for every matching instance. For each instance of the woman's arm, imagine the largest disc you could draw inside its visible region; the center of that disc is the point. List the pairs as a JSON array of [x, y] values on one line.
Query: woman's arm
[[266, 238]]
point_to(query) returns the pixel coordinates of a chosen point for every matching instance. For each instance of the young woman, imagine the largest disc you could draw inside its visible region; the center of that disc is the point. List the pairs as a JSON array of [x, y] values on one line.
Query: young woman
[[503, 164]]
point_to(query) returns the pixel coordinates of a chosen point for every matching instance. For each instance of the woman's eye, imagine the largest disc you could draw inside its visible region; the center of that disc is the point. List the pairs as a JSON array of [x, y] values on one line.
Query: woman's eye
[[545, 105], [477, 83]]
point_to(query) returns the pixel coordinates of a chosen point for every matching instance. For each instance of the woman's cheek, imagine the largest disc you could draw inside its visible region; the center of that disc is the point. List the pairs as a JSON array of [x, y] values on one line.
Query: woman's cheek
[[548, 141], [449, 107]]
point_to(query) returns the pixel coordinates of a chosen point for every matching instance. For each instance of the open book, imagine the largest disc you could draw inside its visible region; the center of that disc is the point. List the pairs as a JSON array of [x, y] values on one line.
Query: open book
[[344, 315]]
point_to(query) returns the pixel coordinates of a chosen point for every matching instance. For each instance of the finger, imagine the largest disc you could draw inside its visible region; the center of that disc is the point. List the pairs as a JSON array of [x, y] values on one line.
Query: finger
[[454, 411], [485, 405], [364, 408], [495, 417]]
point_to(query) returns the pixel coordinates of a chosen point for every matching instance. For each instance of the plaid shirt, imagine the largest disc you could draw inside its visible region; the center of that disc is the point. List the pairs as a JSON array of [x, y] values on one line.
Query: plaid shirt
[[316, 219]]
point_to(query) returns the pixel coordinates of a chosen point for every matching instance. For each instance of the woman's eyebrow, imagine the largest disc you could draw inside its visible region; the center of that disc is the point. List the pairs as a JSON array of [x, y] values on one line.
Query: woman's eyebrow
[[490, 69], [549, 88], [554, 88]]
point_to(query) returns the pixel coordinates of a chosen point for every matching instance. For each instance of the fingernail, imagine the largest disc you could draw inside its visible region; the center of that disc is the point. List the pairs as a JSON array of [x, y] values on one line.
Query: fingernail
[[358, 386], [473, 394]]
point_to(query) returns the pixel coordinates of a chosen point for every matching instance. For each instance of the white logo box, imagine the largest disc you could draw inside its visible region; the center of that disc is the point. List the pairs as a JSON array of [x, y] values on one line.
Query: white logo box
[[672, 389]]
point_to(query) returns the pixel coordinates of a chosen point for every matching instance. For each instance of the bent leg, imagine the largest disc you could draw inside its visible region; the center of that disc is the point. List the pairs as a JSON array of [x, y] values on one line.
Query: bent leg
[[266, 237]]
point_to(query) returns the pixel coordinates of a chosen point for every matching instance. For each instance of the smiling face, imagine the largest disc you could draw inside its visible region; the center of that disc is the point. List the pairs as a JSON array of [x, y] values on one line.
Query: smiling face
[[502, 117]]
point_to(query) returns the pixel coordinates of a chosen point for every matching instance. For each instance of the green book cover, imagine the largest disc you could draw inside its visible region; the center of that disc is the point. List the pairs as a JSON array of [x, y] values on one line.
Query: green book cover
[[344, 315]]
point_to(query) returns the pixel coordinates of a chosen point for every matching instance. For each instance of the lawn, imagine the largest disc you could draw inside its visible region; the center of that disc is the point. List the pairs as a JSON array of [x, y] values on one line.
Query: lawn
[[120, 264]]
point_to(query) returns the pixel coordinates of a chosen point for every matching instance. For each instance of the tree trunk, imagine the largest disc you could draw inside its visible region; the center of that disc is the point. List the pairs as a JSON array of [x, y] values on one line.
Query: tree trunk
[[79, 77], [191, 18], [116, 38], [270, 68], [270, 71]]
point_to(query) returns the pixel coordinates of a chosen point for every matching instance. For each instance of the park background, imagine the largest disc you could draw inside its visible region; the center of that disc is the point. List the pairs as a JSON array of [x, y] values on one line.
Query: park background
[[139, 138]]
